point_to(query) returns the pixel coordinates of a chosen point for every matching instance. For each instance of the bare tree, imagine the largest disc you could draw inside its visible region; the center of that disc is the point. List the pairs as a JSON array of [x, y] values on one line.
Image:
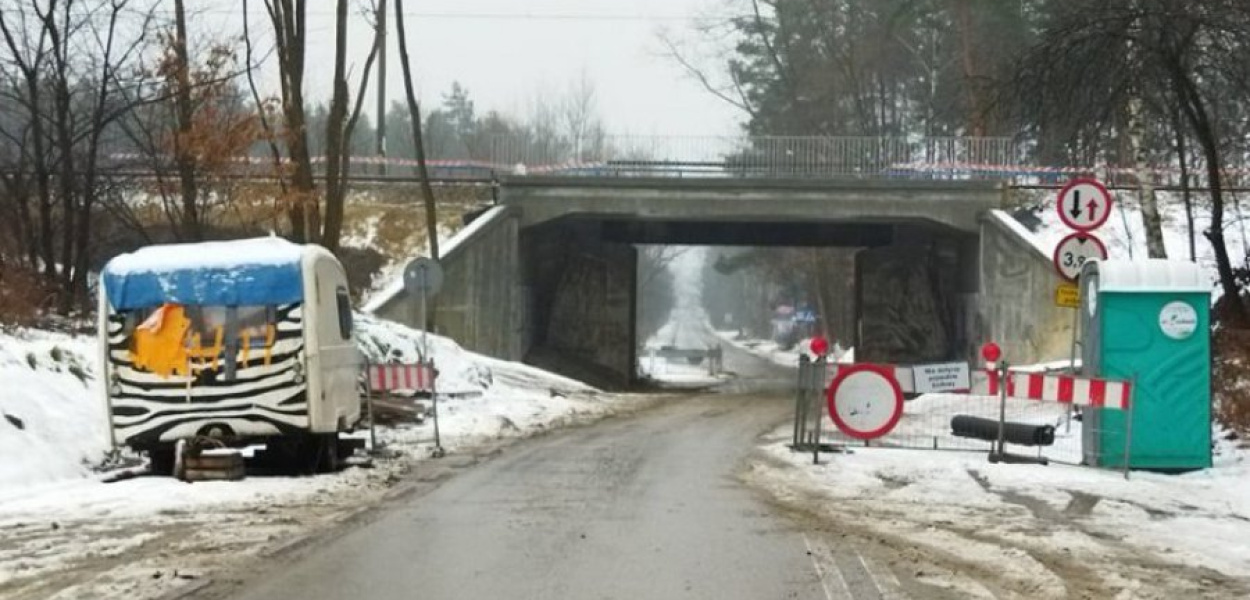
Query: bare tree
[[68, 76], [580, 118], [339, 128], [182, 97], [414, 111], [289, 21]]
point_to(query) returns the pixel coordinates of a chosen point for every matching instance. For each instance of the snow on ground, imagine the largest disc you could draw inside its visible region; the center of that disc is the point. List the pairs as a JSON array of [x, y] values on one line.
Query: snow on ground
[[786, 357], [1000, 515], [483, 397], [687, 328], [69, 535], [1033, 530]]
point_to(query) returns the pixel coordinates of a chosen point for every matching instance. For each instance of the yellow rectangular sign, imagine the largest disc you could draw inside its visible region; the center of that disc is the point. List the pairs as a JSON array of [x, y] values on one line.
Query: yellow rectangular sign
[[1066, 296]]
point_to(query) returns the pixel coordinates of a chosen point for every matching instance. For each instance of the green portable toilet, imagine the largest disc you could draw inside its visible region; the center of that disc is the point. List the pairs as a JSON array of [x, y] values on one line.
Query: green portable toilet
[[1148, 320]]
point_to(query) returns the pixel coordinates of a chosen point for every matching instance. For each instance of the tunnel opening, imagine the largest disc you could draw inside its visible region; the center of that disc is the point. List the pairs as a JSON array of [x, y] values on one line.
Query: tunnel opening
[[598, 290]]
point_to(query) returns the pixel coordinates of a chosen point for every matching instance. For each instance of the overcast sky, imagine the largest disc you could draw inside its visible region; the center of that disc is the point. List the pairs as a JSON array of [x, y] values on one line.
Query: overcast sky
[[509, 52]]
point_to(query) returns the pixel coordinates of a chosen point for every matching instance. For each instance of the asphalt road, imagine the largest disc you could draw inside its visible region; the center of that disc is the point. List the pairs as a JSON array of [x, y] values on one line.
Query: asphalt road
[[643, 506]]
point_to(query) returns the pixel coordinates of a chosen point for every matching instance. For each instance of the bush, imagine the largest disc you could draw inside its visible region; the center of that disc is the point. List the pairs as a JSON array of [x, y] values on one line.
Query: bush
[[1230, 371], [23, 295]]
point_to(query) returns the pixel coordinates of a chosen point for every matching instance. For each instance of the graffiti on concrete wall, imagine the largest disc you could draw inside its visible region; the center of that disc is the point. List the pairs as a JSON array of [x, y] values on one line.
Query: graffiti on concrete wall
[[902, 319]]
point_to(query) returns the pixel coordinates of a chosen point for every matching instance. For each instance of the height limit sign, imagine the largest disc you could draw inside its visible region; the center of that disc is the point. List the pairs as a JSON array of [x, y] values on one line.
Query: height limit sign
[[1084, 205]]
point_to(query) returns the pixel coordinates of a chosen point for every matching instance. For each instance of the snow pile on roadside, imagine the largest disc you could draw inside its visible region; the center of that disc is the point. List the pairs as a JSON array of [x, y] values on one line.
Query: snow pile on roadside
[[53, 424], [1200, 519], [786, 357], [480, 397]]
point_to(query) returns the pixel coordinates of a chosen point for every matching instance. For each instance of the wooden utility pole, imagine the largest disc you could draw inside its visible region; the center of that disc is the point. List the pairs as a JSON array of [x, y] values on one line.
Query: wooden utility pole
[[380, 147]]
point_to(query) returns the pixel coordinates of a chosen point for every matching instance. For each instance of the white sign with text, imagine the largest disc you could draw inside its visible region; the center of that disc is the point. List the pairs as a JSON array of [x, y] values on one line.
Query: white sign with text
[[944, 377]]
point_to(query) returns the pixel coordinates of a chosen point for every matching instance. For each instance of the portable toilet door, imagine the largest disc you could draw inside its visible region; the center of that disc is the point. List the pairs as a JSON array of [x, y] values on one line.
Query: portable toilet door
[[1148, 321]]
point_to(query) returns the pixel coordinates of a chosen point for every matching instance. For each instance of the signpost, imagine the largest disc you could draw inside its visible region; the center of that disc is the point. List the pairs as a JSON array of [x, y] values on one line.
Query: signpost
[[1084, 204], [423, 277], [1072, 252]]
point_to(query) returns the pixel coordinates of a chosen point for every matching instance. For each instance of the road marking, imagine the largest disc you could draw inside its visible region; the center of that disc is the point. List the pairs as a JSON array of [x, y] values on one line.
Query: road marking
[[820, 573], [888, 586]]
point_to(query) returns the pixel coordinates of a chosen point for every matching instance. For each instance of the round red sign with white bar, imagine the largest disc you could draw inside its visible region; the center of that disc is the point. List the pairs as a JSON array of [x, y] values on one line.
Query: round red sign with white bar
[[865, 401]]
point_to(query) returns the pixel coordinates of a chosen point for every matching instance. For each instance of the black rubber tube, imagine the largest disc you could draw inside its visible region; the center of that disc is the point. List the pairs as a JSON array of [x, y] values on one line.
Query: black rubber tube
[[1022, 434]]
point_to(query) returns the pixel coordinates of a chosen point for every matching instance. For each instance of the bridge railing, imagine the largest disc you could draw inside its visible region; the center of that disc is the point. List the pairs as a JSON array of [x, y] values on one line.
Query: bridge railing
[[794, 157], [741, 156]]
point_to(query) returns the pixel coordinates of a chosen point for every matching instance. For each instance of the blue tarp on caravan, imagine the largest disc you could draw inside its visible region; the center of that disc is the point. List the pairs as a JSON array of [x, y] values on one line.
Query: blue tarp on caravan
[[258, 271]]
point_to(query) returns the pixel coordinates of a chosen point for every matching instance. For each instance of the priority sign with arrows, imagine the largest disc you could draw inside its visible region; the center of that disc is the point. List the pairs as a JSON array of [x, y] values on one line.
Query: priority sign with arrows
[[1084, 204]]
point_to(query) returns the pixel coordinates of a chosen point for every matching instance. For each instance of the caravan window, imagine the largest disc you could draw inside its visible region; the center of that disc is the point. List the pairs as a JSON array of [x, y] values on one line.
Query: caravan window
[[236, 323], [345, 313]]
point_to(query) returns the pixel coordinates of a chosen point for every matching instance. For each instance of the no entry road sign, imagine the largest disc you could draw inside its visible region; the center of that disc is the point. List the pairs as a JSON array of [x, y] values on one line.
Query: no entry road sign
[[1084, 204], [1073, 251], [865, 401]]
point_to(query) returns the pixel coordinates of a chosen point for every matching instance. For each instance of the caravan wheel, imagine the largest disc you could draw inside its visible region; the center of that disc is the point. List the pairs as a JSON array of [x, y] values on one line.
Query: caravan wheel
[[319, 453], [161, 459]]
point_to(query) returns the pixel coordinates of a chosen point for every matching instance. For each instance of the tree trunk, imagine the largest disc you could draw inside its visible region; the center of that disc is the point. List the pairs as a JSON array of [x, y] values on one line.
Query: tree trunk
[[414, 110], [186, 161], [288, 17], [335, 185], [967, 55], [1183, 159], [1151, 220], [1196, 113]]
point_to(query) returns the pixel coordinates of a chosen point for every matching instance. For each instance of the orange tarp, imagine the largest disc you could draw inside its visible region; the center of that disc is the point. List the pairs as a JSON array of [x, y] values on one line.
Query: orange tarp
[[159, 343]]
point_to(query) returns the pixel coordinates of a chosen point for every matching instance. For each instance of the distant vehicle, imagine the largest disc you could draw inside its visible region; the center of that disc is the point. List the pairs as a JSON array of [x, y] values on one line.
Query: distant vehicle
[[238, 342]]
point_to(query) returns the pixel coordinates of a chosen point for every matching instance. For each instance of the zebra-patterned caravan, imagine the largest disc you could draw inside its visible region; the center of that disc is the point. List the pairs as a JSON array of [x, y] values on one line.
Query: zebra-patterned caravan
[[240, 340]]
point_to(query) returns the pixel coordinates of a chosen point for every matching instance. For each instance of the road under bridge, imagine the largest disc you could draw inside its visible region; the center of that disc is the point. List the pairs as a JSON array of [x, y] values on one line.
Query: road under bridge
[[548, 273]]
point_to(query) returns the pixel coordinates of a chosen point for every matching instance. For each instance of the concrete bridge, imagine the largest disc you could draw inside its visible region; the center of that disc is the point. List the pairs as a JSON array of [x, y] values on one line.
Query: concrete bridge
[[548, 273]]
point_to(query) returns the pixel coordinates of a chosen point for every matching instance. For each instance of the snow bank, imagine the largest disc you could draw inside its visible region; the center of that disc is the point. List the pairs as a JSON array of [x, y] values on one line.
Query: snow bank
[[53, 425], [1200, 519]]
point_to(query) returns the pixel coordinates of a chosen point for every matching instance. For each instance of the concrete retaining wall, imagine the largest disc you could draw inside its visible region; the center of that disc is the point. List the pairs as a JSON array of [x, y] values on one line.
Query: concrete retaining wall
[[480, 303], [1016, 304], [581, 313]]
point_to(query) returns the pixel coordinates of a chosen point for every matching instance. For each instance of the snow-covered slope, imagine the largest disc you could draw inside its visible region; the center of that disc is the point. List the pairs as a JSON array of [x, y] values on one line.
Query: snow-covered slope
[[53, 425]]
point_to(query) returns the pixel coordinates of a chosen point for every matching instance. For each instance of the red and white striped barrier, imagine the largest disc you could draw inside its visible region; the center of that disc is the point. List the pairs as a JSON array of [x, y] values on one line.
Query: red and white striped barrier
[[1063, 389], [416, 377]]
